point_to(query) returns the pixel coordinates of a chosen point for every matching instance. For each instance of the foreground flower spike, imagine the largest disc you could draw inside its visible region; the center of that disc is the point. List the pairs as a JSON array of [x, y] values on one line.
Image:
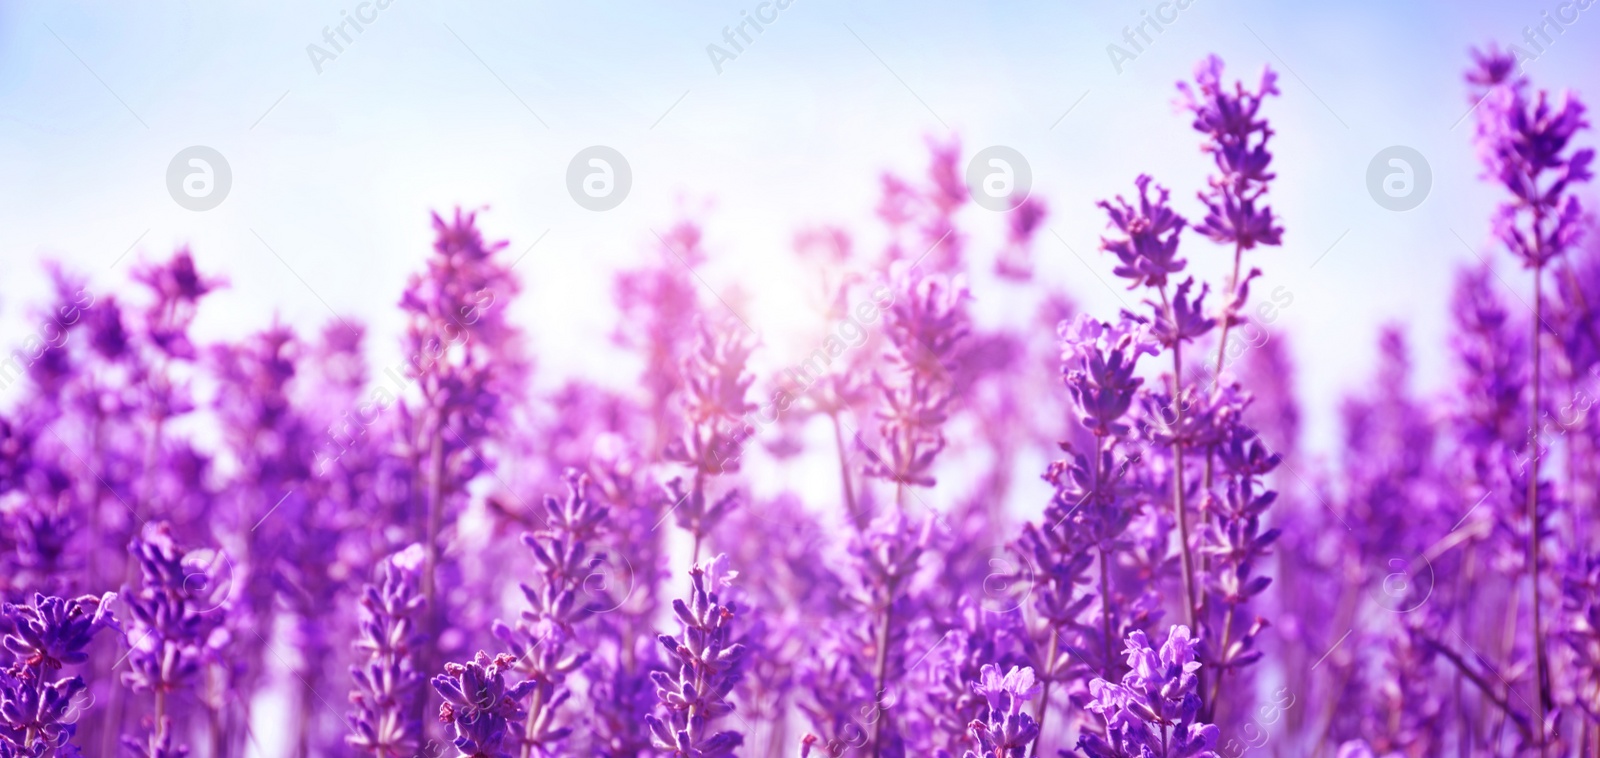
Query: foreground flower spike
[[1092, 508], [1147, 248], [386, 680], [708, 665], [37, 715], [1524, 145], [1007, 731], [480, 706], [1153, 712], [175, 629], [543, 639]]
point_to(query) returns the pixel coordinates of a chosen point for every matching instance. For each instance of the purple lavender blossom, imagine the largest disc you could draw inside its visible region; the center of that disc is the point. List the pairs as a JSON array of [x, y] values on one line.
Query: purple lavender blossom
[[1097, 365], [1238, 145], [387, 681], [709, 663], [1432, 583], [1007, 731], [1153, 712], [1148, 245], [36, 707], [544, 642], [174, 630], [480, 706], [1526, 145], [926, 326]]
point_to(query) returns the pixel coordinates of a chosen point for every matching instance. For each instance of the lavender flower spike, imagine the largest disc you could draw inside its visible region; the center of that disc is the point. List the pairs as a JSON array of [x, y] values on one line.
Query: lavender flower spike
[[1148, 247], [1153, 712], [1008, 730], [710, 663], [35, 707], [480, 705], [171, 631], [386, 681]]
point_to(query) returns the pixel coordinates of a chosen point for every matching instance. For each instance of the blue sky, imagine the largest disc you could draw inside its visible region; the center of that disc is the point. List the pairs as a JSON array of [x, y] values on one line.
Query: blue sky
[[435, 105]]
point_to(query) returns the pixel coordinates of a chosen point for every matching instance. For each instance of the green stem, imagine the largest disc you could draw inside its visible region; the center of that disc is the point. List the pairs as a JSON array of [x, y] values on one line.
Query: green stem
[[1044, 691], [530, 731], [881, 668], [1179, 504], [856, 517]]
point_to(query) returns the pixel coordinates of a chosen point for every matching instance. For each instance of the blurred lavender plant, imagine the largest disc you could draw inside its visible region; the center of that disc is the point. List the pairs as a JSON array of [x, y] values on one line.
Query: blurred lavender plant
[[466, 361], [715, 431]]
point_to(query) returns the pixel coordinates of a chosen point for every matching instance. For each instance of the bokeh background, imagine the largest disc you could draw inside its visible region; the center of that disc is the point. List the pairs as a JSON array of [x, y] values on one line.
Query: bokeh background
[[436, 105]]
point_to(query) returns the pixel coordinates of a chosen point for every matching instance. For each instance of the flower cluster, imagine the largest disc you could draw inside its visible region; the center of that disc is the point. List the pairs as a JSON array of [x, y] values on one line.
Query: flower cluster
[[481, 706], [1007, 731], [386, 682], [1153, 712], [174, 628], [708, 662], [38, 707]]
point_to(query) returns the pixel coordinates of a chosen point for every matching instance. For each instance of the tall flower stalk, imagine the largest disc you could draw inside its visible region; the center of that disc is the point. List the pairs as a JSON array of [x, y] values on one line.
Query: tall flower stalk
[[1093, 504], [173, 630], [705, 663], [466, 365], [1524, 144], [544, 639], [926, 326], [1237, 142], [1146, 246]]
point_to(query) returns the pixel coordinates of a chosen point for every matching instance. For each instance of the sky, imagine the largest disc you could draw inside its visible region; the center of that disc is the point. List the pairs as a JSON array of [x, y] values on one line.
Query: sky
[[337, 156]]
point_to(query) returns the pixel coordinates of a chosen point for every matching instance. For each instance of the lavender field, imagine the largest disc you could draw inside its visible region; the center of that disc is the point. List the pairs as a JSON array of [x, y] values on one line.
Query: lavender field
[[986, 487]]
